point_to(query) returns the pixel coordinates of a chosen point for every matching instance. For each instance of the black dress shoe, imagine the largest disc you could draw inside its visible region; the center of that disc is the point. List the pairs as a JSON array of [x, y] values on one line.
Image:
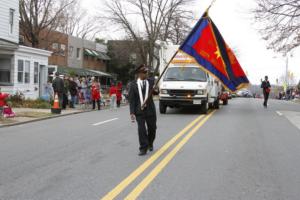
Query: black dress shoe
[[142, 152], [150, 148]]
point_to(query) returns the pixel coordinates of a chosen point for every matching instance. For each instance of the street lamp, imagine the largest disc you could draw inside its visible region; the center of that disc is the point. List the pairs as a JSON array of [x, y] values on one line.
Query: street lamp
[[286, 84]]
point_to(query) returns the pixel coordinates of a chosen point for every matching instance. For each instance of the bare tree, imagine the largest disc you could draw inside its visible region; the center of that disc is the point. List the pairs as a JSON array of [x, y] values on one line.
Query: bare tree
[[147, 21], [280, 20], [40, 15], [76, 21]]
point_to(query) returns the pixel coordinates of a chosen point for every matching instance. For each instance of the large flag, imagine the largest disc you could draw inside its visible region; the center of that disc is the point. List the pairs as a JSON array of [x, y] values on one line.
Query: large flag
[[207, 46]]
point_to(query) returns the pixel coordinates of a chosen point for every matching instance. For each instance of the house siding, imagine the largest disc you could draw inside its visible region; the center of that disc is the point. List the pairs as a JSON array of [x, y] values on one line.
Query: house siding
[[94, 63], [75, 43], [58, 57], [31, 89], [5, 6]]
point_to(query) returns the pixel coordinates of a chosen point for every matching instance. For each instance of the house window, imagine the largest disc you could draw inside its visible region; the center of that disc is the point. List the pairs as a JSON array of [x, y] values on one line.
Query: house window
[[20, 71], [78, 53], [71, 48], [36, 72], [5, 70], [62, 49], [55, 46], [27, 72], [11, 20], [4, 76]]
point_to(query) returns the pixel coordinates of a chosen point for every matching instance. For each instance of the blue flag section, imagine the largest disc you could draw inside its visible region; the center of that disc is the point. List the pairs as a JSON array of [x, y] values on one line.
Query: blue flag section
[[207, 46]]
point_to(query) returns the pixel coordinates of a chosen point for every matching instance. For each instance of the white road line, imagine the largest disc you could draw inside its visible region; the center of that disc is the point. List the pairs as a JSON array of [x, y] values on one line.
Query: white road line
[[104, 122], [279, 113]]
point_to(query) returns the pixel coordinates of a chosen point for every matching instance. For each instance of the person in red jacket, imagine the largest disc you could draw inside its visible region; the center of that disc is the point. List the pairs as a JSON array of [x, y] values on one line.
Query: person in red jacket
[[3, 98], [119, 94], [113, 96], [96, 94]]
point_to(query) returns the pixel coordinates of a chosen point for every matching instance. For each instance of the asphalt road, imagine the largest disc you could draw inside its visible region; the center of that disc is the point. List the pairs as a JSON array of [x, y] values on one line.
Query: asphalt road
[[241, 151]]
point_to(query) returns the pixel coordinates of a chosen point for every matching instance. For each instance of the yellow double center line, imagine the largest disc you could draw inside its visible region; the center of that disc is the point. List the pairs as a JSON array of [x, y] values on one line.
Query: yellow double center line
[[146, 181]]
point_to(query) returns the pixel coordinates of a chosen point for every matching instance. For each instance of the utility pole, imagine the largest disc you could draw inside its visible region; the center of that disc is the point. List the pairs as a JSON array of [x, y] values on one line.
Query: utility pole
[[287, 72]]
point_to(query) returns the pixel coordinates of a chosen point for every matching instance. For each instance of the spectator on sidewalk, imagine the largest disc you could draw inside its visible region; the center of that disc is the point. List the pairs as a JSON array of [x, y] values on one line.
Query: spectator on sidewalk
[[113, 96], [119, 94], [3, 97], [96, 94], [73, 92], [77, 81], [49, 91], [65, 92], [58, 87], [84, 90], [89, 89]]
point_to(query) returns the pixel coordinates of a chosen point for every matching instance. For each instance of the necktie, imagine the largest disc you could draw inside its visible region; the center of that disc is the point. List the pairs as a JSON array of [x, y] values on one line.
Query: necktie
[[144, 88]]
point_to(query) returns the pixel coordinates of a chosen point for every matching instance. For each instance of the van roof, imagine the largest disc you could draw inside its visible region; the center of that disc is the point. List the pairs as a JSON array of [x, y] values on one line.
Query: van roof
[[182, 58]]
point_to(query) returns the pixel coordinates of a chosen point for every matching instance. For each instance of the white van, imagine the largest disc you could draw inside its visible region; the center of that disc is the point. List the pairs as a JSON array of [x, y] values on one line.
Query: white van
[[186, 84]]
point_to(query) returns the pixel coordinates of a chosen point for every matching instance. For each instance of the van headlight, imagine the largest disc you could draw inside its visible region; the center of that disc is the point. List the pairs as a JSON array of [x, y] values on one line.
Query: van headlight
[[201, 92], [164, 91]]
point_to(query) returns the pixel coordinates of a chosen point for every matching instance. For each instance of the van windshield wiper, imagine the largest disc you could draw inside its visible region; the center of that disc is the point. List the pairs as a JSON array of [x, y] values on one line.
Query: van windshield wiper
[[171, 79], [195, 79]]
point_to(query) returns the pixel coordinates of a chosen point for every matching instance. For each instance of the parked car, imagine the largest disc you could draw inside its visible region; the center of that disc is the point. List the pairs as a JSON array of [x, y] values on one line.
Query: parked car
[[224, 97], [233, 95], [245, 94], [229, 94]]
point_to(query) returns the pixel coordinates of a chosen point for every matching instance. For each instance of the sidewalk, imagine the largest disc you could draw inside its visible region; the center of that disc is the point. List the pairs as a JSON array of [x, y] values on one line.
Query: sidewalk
[[25, 115], [296, 100]]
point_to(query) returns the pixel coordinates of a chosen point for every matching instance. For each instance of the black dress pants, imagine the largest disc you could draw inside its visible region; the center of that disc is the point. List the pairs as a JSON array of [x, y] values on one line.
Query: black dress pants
[[266, 97], [98, 104], [146, 134], [65, 101]]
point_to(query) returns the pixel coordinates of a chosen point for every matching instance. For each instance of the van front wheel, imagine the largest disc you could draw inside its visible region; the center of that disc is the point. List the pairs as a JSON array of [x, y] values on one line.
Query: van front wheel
[[162, 108], [204, 107], [217, 104]]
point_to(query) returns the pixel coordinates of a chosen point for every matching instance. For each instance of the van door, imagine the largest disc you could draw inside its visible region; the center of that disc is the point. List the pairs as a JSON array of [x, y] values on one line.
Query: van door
[[209, 85]]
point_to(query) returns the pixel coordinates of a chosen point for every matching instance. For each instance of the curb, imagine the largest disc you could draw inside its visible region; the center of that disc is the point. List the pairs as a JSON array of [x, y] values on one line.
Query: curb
[[44, 118]]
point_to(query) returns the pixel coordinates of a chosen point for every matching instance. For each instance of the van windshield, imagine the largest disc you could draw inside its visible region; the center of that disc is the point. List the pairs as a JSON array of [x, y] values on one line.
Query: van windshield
[[185, 74]]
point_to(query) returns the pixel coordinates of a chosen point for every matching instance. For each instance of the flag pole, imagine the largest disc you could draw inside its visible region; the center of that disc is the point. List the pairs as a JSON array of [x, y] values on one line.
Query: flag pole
[[159, 78], [211, 4], [165, 69]]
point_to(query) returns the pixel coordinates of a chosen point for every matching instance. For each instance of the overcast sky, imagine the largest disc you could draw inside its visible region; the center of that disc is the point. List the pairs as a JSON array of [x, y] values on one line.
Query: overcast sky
[[235, 21]]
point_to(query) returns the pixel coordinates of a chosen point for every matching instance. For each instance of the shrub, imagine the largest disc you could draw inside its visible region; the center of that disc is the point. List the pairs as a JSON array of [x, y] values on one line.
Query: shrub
[[39, 103], [17, 98], [18, 101]]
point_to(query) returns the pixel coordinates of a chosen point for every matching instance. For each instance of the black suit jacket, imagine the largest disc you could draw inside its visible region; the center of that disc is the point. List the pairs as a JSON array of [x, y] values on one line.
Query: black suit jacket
[[58, 85], [265, 85], [134, 100]]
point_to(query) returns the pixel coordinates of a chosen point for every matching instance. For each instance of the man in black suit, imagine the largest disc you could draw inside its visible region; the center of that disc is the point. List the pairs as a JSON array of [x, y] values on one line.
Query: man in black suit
[[266, 86], [142, 108], [58, 87]]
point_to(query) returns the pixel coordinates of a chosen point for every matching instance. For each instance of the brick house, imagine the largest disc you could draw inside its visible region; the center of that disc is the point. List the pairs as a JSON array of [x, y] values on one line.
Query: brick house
[[54, 41], [72, 52], [85, 54]]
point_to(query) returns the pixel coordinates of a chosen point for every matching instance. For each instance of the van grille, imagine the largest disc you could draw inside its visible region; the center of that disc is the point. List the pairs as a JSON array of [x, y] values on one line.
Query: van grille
[[182, 93]]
